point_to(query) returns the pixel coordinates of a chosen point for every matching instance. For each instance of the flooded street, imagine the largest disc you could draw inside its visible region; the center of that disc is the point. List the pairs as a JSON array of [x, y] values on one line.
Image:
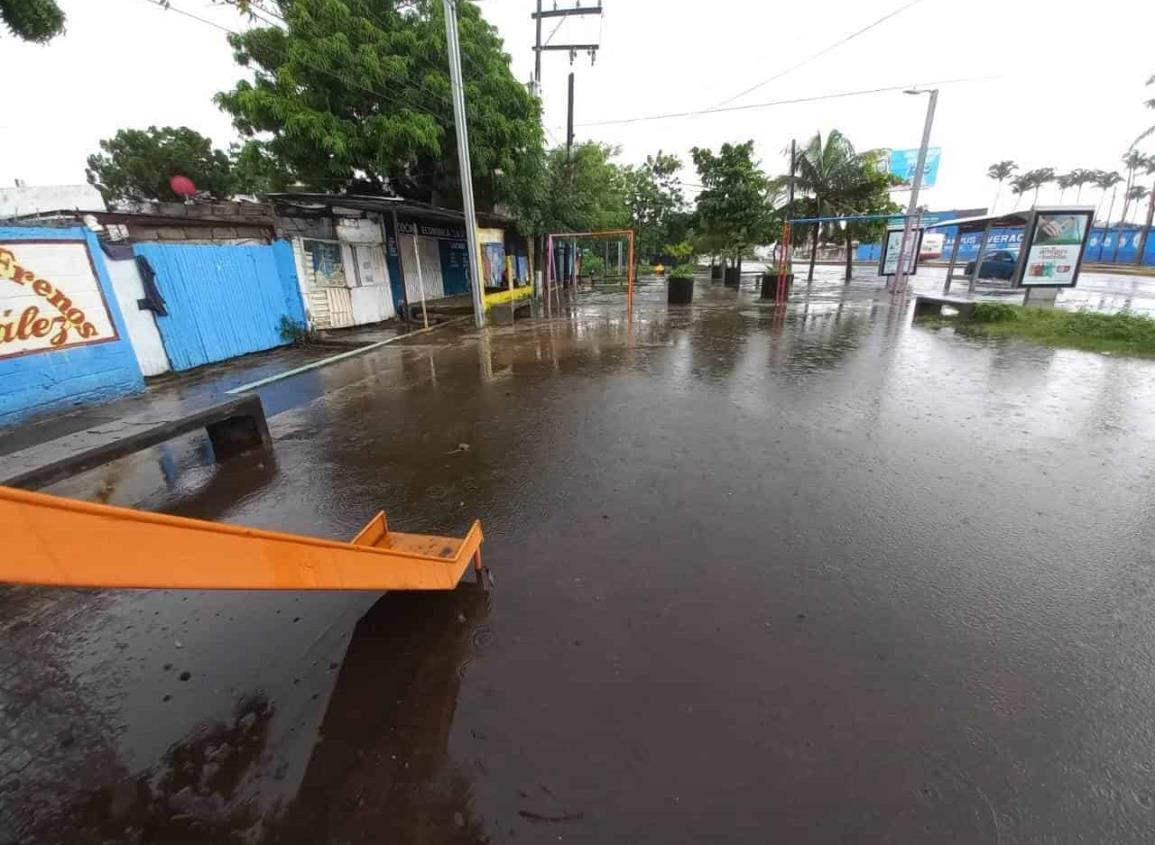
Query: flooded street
[[830, 578]]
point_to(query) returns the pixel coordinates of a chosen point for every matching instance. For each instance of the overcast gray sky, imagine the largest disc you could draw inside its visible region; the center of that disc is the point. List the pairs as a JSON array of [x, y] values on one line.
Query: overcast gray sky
[[1068, 93]]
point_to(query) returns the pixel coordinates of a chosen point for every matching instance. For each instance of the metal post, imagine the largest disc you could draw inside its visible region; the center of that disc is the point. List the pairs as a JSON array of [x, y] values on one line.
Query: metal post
[[979, 260], [537, 55], [953, 257], [569, 122], [420, 276], [916, 184], [463, 165]]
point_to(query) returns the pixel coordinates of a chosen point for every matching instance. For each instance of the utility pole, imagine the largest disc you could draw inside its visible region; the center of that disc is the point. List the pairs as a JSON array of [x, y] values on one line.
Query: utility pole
[[537, 55], [916, 184], [463, 166], [569, 122], [572, 49]]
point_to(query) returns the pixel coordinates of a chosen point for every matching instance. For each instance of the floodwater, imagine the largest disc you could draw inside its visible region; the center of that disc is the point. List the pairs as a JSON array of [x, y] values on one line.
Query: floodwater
[[822, 576]]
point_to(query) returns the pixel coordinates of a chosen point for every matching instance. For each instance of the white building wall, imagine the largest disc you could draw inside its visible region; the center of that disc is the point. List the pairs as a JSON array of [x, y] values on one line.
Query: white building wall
[[141, 324]]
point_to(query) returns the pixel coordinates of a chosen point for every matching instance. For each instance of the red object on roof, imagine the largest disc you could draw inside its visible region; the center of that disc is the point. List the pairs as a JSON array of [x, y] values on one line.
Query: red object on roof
[[182, 185]]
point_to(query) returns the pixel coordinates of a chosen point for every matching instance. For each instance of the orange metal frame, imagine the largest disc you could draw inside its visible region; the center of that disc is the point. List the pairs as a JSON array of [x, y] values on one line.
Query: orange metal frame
[[551, 282], [55, 541]]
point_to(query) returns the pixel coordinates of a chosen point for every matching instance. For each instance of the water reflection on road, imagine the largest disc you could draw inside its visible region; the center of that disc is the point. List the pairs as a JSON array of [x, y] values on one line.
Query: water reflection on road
[[823, 577]]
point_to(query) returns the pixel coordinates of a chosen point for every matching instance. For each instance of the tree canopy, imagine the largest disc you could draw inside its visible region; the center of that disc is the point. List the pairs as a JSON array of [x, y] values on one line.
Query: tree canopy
[[582, 194], [735, 206], [355, 90], [32, 20], [657, 205], [137, 164]]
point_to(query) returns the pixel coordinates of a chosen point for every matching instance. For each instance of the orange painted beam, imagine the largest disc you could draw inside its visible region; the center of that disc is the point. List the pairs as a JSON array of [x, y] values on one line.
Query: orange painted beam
[[55, 541]]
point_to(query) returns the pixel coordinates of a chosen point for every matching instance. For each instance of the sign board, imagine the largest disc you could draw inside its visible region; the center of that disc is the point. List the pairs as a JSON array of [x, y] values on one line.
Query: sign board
[[888, 262], [1054, 244], [50, 298], [902, 164]]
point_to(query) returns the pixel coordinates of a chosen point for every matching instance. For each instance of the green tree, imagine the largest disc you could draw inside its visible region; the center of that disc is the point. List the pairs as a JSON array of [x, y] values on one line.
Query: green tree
[[1000, 171], [656, 202], [1020, 185], [255, 170], [137, 164], [838, 179], [735, 208], [584, 193], [1136, 194], [1134, 162], [32, 20], [1103, 180], [1038, 177], [1065, 181], [354, 90], [1149, 168]]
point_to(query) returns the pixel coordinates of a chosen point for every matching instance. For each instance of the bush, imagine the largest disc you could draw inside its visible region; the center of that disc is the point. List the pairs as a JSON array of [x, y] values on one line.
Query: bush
[[593, 265], [994, 312], [682, 271]]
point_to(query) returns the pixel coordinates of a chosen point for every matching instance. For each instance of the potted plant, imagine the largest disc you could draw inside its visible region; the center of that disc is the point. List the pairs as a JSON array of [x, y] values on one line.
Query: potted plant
[[680, 285], [770, 282]]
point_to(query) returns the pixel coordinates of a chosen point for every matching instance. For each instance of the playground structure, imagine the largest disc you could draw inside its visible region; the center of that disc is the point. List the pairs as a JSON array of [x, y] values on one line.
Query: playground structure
[[53, 541], [564, 252]]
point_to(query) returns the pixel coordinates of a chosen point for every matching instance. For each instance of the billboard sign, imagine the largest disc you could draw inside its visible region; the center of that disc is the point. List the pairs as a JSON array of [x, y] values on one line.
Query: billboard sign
[[1056, 241], [902, 164], [888, 263], [50, 298]]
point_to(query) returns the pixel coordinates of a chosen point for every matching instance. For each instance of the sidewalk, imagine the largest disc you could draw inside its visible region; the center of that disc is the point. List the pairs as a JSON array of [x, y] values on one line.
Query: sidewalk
[[182, 393]]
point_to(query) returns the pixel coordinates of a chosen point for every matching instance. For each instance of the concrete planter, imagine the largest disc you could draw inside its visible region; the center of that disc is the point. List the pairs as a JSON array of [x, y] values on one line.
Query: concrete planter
[[679, 291], [770, 284], [715, 272], [733, 277]]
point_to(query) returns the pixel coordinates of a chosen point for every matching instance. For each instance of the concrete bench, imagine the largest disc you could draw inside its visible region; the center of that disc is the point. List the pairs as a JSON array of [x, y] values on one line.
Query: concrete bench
[[234, 426], [931, 306]]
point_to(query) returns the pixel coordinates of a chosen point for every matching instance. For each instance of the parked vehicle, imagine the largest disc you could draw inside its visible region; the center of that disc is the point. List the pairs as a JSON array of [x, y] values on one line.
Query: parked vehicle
[[998, 265]]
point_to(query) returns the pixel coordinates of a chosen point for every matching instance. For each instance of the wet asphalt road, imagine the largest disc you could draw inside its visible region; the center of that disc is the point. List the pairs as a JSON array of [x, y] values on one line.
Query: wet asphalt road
[[829, 579]]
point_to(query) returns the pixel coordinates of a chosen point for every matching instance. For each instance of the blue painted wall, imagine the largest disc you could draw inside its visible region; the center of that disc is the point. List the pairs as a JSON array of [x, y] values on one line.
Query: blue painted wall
[[223, 301], [454, 266], [55, 380]]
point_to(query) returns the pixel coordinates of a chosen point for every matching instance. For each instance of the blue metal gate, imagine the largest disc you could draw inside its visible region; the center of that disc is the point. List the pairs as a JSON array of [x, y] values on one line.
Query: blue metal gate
[[223, 300]]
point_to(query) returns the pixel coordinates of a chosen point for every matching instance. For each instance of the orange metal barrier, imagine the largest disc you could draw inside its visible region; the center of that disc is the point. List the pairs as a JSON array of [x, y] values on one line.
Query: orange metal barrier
[[55, 541]]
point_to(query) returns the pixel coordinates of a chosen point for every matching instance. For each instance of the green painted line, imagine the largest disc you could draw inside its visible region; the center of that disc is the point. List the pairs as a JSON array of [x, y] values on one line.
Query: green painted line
[[340, 356]]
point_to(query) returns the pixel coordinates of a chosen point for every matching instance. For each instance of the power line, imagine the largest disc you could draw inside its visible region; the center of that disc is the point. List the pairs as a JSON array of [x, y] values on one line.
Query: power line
[[718, 110], [820, 53]]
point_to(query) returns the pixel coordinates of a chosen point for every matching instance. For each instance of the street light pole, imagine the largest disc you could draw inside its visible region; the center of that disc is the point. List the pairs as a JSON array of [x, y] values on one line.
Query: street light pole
[[916, 184], [466, 172]]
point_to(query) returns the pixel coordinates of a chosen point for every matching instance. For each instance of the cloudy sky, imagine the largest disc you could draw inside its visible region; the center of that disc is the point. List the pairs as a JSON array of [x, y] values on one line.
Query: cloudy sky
[[1067, 87]]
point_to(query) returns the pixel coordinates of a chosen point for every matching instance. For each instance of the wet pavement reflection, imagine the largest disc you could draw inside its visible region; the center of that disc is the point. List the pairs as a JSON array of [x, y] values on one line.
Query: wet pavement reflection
[[823, 576]]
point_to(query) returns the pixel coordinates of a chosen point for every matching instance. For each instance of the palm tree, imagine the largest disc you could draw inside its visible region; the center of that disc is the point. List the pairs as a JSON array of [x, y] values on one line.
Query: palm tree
[[1020, 185], [1065, 181], [1038, 177], [1134, 160], [1000, 171], [1135, 195], [1082, 177], [1105, 179], [1149, 169], [825, 171]]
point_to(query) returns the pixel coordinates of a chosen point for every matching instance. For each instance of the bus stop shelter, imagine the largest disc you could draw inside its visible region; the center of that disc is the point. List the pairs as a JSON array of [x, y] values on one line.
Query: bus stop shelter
[[1051, 252]]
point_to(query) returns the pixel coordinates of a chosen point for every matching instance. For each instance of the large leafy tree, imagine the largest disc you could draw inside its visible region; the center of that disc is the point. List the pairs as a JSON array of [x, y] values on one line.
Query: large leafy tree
[[735, 205], [657, 204], [582, 193], [32, 20], [358, 91], [137, 164]]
